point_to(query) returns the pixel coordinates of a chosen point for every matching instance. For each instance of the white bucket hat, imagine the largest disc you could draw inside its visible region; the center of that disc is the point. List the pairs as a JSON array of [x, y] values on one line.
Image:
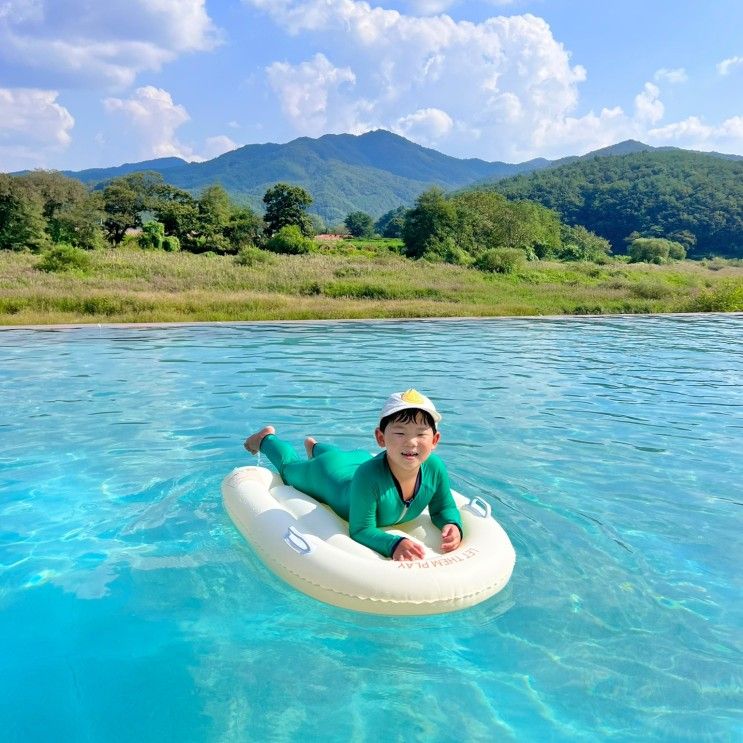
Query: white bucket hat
[[409, 399]]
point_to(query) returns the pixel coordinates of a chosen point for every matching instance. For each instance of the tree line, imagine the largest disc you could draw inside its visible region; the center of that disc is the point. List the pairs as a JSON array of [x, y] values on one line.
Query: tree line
[[43, 208], [481, 228], [690, 198]]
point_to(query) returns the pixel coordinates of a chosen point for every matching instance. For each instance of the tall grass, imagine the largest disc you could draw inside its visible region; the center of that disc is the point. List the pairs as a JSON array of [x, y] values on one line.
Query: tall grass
[[130, 285]]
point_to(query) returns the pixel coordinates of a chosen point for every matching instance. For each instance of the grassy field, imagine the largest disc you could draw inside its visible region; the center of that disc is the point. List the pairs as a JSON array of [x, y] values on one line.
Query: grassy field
[[343, 281]]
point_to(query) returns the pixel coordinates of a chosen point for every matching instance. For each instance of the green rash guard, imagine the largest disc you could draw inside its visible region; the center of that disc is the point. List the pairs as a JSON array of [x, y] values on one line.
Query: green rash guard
[[362, 490]]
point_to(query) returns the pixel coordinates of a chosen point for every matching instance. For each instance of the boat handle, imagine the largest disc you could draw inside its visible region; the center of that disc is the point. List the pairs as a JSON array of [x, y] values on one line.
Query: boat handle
[[479, 507], [297, 541]]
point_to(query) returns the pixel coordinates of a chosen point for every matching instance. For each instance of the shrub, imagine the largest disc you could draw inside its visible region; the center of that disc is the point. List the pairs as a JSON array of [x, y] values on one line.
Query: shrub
[[501, 260], [289, 239], [64, 257], [249, 255], [580, 244], [725, 297], [153, 234], [445, 249], [655, 250], [651, 290], [171, 244], [676, 251]]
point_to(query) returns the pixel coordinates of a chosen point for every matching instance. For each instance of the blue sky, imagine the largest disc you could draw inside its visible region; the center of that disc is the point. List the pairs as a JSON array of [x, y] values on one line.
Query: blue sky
[[87, 84]]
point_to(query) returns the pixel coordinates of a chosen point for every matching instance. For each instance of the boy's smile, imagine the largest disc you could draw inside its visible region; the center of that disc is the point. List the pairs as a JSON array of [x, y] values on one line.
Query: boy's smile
[[408, 444]]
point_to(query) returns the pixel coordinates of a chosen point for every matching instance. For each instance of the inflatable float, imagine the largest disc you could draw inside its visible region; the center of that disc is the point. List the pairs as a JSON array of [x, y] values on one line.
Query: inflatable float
[[307, 544]]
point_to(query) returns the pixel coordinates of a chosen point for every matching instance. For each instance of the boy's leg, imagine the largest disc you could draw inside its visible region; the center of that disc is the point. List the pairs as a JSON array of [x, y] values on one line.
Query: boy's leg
[[279, 452], [307, 476], [326, 478], [319, 448]]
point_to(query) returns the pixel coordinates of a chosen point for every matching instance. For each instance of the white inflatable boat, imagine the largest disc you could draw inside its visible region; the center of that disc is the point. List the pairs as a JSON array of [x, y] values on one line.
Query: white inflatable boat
[[307, 544]]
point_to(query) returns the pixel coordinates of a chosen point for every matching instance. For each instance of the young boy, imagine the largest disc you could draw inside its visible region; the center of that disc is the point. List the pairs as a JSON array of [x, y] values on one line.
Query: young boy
[[370, 492]]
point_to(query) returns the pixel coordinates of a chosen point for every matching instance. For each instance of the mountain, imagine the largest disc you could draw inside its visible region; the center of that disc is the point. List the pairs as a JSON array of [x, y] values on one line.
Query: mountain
[[693, 197], [373, 172], [98, 175]]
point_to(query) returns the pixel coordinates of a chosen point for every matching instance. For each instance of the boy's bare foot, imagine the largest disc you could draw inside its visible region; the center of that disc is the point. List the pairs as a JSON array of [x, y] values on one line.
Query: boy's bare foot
[[309, 445], [253, 442]]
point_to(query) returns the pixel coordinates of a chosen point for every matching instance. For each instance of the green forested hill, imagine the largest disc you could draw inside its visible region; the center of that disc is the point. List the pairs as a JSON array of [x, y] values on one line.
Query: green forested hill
[[373, 172], [693, 197]]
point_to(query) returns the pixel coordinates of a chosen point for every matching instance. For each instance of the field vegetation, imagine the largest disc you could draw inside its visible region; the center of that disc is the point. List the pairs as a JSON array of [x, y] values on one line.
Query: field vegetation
[[343, 279], [139, 250]]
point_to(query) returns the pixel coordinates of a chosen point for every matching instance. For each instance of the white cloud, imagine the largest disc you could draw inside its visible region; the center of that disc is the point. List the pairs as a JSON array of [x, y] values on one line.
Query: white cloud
[[154, 117], [578, 135], [676, 75], [425, 125], [76, 42], [306, 91], [648, 107], [504, 88], [215, 146], [501, 79], [32, 125], [695, 134], [726, 65]]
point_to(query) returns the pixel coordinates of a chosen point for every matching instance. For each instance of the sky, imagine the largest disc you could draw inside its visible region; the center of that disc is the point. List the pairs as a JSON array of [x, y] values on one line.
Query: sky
[[85, 83]]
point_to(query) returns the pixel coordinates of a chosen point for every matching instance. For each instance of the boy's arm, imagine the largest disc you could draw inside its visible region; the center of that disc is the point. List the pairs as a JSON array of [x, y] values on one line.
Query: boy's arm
[[362, 519], [442, 508]]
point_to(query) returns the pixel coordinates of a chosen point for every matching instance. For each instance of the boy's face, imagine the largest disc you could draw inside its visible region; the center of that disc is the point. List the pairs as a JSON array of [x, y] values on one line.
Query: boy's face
[[408, 444]]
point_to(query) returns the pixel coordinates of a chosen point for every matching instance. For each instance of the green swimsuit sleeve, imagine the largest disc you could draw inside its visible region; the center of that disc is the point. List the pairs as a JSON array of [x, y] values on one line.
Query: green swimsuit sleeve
[[362, 521], [442, 508]]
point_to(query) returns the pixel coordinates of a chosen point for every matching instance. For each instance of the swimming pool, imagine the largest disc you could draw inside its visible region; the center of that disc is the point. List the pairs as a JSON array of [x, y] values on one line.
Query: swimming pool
[[610, 450]]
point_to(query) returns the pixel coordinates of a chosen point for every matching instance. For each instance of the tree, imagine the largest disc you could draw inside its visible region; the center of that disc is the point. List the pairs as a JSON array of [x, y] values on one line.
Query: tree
[[177, 210], [391, 223], [213, 218], [286, 205], [243, 228], [22, 223], [67, 206], [124, 201], [359, 224], [432, 218]]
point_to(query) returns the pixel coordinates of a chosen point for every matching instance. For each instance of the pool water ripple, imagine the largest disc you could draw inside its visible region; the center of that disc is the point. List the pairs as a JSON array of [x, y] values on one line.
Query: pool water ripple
[[131, 608]]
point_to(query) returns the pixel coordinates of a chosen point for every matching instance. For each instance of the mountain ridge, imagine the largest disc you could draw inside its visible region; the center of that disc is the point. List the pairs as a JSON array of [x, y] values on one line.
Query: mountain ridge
[[372, 172]]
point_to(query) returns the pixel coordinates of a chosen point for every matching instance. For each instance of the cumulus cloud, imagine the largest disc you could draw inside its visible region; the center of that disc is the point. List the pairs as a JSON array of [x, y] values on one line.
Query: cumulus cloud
[[76, 42], [32, 125], [676, 75], [218, 145], [425, 125], [694, 133], [155, 117], [727, 65], [503, 88], [648, 107], [307, 89], [498, 80]]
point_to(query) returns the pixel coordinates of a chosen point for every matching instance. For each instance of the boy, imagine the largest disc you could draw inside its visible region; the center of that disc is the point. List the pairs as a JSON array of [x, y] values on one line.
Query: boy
[[369, 492]]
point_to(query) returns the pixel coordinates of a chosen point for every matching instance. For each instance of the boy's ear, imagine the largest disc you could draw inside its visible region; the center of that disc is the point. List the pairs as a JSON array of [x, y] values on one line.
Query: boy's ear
[[436, 439], [379, 436]]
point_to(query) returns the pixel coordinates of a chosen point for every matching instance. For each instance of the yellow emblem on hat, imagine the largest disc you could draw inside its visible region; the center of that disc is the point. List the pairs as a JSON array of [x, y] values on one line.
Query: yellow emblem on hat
[[413, 396]]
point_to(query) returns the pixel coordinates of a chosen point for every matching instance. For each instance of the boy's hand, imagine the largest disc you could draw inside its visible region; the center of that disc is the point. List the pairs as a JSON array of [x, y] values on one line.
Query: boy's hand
[[450, 538], [408, 550]]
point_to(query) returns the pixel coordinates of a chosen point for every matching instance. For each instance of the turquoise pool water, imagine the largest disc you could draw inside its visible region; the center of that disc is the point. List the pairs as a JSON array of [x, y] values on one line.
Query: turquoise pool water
[[610, 449]]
